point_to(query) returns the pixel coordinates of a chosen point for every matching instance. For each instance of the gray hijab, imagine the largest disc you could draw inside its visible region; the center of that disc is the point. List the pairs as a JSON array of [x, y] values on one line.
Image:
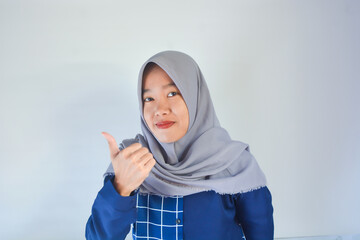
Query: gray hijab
[[206, 158]]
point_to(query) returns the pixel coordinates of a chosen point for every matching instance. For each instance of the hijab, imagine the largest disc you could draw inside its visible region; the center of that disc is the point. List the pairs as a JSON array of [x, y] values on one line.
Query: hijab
[[205, 158]]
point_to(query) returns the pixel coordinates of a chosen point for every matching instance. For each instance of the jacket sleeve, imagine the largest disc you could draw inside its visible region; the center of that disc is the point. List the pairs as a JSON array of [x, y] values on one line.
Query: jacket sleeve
[[254, 211], [111, 214]]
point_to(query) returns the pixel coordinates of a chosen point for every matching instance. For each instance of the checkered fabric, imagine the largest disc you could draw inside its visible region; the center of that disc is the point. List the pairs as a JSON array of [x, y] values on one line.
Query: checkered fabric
[[158, 217]]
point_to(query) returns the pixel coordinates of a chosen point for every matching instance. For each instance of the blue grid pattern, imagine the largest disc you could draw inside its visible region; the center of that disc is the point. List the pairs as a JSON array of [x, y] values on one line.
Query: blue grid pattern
[[158, 217]]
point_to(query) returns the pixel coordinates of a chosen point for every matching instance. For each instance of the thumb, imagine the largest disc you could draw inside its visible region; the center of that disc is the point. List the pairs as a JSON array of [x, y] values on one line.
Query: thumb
[[114, 150]]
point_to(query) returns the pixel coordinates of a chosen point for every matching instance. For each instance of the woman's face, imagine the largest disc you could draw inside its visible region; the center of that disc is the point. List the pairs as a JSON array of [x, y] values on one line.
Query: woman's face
[[165, 111]]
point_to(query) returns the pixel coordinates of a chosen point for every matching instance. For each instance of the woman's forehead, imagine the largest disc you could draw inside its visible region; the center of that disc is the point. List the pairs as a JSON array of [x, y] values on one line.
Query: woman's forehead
[[156, 77]]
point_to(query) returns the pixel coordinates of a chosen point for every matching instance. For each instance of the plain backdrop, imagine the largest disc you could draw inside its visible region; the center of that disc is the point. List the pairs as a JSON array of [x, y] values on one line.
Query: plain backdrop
[[284, 77]]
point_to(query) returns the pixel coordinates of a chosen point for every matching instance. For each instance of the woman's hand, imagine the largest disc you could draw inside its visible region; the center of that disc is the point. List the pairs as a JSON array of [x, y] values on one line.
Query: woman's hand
[[131, 165]]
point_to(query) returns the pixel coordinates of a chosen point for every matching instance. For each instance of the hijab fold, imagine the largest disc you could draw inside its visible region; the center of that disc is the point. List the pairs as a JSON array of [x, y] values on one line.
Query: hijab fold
[[206, 158]]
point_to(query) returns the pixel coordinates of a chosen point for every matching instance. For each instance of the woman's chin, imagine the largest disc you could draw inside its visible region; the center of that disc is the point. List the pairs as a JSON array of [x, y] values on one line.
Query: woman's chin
[[168, 139]]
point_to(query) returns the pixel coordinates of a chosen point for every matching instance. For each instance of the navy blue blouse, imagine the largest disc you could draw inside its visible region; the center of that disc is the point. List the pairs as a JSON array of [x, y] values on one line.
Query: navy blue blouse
[[204, 215]]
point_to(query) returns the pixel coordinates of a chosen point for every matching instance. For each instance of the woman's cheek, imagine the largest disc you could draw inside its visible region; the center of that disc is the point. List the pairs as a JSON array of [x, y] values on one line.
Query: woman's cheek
[[147, 116]]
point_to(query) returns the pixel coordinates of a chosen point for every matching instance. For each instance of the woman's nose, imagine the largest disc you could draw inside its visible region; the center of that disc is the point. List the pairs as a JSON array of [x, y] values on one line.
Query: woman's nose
[[162, 108]]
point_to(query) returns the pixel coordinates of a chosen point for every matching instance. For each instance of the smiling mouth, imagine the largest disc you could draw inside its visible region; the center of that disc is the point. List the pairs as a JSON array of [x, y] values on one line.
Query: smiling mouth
[[164, 125]]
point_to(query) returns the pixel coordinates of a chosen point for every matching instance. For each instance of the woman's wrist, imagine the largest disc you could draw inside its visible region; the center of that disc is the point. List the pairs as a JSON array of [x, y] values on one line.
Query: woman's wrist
[[121, 189]]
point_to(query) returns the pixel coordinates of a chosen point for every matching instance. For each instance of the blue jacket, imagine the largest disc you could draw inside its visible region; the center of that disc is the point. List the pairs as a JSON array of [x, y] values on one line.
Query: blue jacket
[[206, 215]]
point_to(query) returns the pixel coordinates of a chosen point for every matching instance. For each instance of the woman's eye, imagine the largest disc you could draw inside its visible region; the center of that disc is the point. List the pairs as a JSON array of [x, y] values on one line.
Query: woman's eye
[[172, 94], [148, 99]]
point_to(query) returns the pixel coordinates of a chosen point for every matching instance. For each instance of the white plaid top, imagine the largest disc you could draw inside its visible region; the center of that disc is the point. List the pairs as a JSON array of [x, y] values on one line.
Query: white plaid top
[[158, 217]]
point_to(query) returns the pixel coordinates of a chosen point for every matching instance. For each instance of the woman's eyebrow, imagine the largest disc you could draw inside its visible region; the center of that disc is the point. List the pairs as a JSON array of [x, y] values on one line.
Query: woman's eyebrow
[[165, 86]]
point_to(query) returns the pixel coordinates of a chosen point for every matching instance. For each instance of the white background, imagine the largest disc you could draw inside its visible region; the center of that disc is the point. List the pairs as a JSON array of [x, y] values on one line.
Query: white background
[[284, 77]]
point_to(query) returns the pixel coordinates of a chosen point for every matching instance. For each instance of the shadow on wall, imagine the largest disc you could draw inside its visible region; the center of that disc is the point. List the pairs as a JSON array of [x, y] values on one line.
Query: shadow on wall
[[343, 237]]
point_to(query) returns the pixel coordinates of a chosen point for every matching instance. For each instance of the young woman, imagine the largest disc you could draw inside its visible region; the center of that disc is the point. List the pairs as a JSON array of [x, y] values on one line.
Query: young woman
[[184, 177]]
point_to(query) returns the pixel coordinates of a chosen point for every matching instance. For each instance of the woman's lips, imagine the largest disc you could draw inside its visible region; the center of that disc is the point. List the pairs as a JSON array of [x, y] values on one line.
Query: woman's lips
[[165, 124]]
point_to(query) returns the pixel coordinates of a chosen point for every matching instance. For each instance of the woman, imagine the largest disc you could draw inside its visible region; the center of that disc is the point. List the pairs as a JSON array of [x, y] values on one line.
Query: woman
[[184, 178]]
